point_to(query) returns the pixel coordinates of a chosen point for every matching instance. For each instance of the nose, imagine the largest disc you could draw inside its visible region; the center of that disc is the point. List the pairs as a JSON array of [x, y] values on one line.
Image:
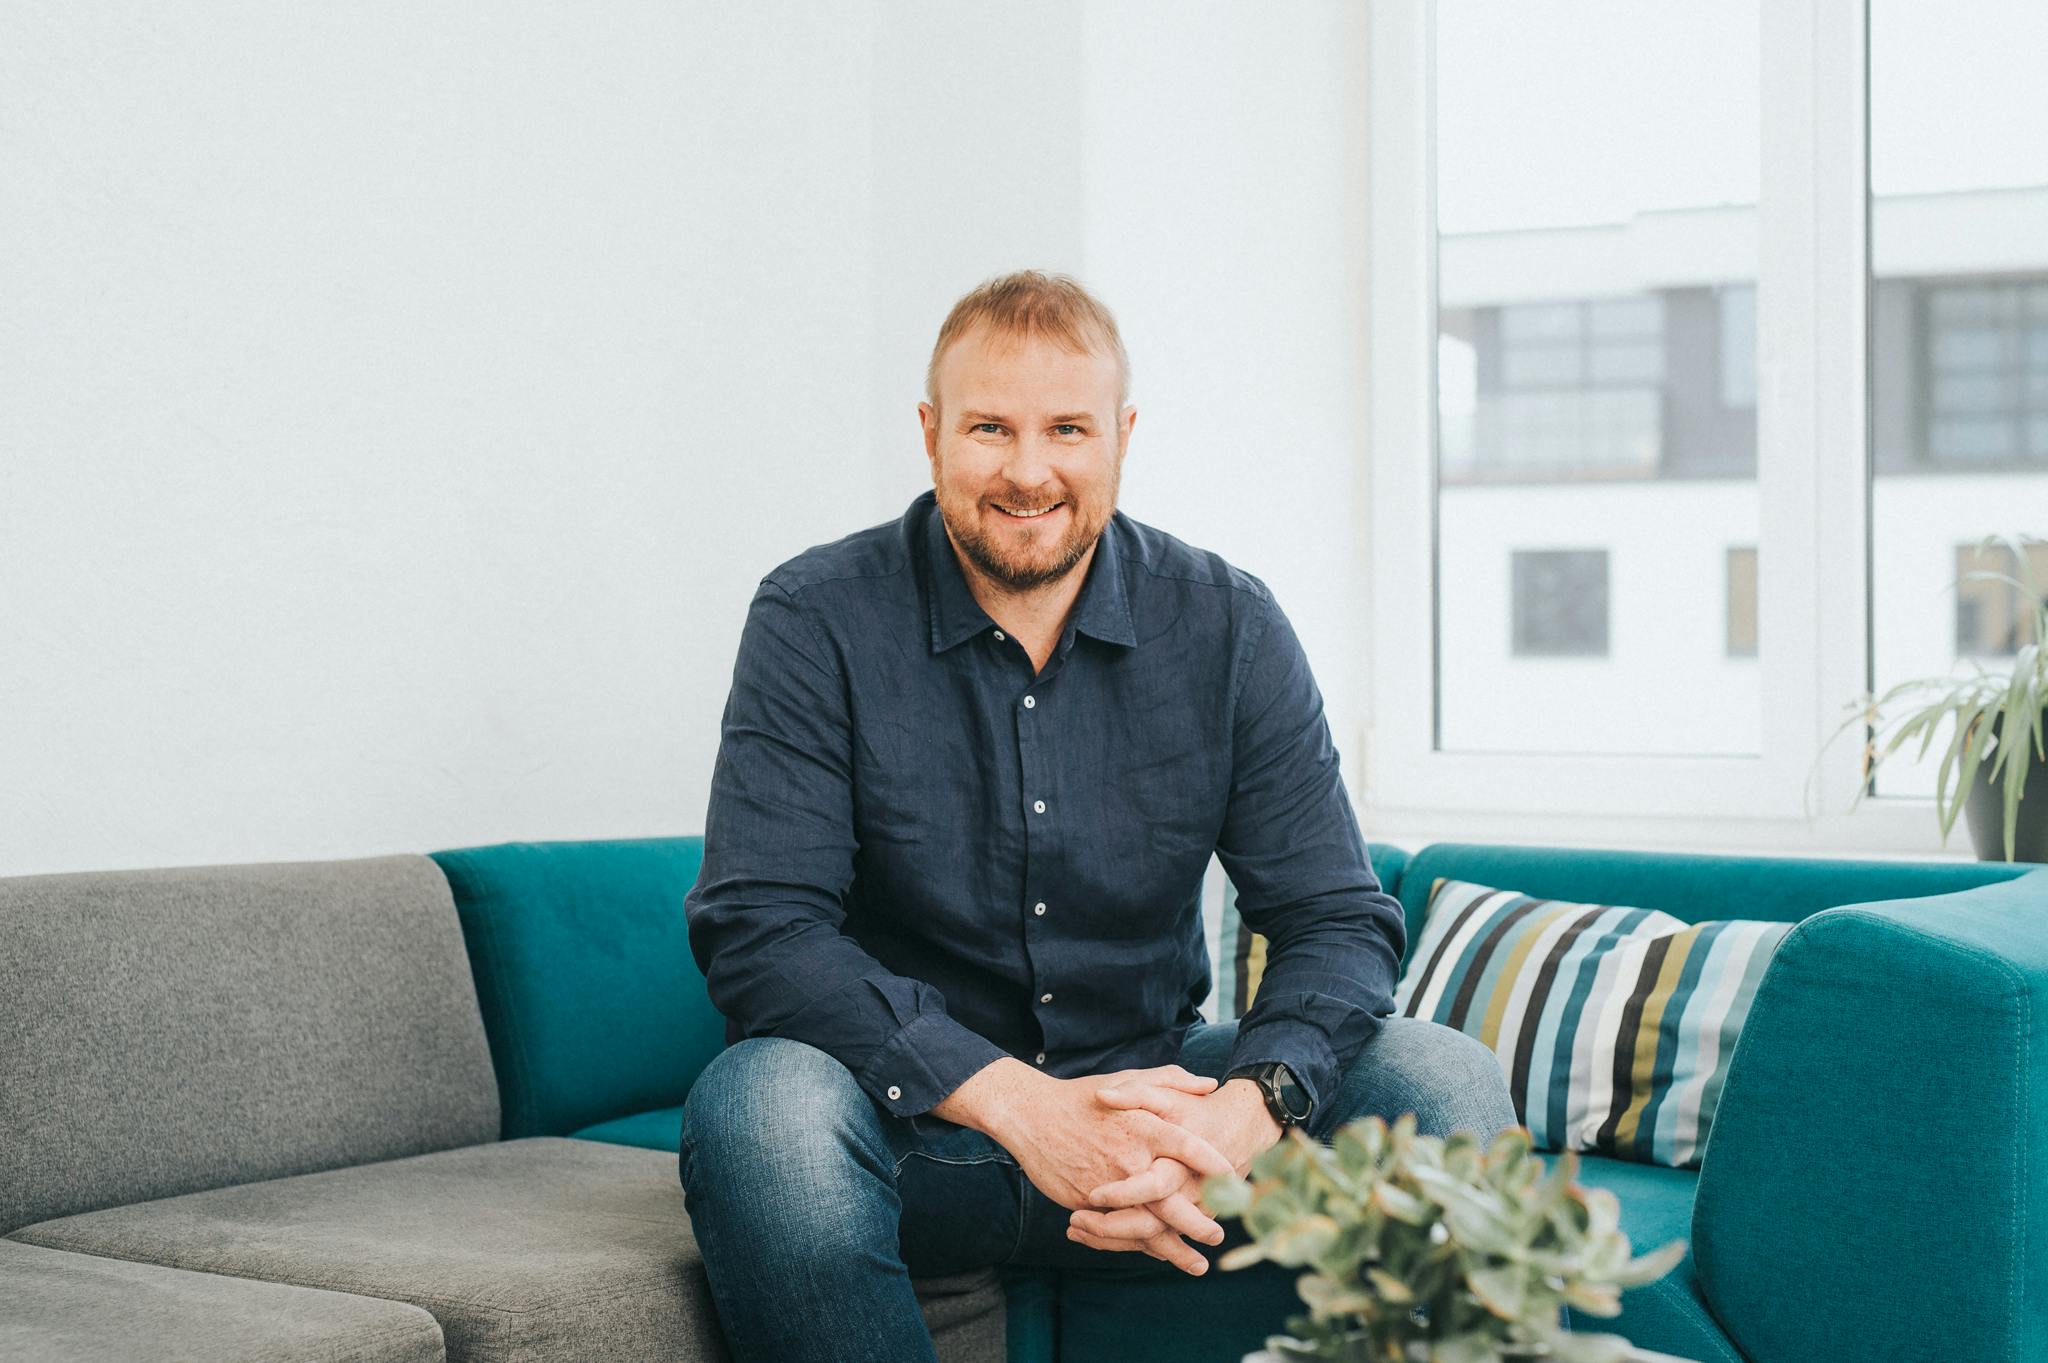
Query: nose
[[1029, 463]]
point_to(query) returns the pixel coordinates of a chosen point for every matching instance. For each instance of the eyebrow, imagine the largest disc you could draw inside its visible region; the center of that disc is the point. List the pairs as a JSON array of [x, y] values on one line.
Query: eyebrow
[[1068, 418]]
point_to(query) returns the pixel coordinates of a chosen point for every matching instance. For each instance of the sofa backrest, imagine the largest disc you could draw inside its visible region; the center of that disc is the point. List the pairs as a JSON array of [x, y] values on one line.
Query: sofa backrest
[[1692, 887], [595, 1007], [168, 1031]]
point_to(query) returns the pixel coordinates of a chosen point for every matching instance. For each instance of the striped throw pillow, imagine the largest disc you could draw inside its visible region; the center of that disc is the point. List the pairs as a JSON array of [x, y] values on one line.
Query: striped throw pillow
[[1613, 1025]]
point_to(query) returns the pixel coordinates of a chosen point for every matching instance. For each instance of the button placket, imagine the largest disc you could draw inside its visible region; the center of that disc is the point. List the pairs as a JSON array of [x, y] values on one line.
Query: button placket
[[1036, 781]]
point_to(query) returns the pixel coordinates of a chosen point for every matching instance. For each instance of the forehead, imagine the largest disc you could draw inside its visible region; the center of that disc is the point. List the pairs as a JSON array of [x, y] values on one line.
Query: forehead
[[986, 369]]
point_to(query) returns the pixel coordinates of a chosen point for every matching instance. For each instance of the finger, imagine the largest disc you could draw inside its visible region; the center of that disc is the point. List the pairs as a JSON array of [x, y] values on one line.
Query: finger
[[1167, 1247], [1126, 1223], [1174, 1077], [1081, 1237], [1165, 1175], [1168, 1103], [1196, 1153], [1177, 1252], [1186, 1218]]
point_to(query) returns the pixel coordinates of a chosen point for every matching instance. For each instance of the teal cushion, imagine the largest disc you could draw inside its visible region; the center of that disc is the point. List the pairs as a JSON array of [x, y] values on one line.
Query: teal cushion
[[1877, 1185], [1241, 953], [592, 1002], [1669, 1315], [661, 1129], [1689, 886]]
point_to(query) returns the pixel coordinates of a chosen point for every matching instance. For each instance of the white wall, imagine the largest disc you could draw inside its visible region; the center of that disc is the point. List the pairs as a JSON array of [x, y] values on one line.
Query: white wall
[[398, 405], [1227, 226]]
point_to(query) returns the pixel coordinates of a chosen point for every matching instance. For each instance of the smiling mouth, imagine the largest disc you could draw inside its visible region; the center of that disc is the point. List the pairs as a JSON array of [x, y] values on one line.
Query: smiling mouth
[[1027, 513]]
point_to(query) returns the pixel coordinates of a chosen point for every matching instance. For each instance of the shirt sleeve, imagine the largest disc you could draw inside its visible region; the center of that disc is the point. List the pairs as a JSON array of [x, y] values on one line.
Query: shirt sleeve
[[1291, 846], [765, 914]]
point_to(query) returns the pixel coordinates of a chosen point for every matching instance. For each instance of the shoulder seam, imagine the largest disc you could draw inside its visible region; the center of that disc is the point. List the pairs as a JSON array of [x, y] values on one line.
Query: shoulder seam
[[1249, 588]]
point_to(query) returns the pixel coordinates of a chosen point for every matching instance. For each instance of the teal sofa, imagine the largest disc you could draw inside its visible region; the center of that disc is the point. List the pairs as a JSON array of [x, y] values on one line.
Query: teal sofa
[[1875, 1186]]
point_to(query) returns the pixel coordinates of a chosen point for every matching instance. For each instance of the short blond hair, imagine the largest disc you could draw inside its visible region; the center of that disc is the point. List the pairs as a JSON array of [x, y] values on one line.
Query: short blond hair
[[1034, 303]]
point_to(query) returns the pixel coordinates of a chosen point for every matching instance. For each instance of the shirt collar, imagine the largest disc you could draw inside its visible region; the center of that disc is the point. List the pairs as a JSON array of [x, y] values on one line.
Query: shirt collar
[[1102, 611]]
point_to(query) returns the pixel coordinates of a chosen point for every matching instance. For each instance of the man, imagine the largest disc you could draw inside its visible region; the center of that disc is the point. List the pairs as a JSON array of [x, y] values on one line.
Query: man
[[974, 764]]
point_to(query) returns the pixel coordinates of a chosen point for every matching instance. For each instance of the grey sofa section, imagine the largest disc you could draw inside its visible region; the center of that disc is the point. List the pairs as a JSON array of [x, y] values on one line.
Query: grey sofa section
[[167, 1031], [536, 1249], [73, 1308]]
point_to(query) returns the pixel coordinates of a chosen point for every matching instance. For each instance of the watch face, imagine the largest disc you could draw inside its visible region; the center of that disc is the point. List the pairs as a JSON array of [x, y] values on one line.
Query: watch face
[[1292, 1095]]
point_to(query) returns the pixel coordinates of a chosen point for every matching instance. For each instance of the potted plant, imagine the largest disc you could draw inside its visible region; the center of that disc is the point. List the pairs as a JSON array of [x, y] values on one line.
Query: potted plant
[[1424, 1250], [1995, 715]]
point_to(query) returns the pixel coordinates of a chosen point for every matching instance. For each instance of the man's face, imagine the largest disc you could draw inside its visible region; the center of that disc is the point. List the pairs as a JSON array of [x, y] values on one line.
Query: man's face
[[1024, 425]]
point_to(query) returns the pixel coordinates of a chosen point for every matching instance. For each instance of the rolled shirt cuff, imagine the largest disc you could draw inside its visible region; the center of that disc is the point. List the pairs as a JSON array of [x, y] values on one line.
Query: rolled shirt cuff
[[1302, 1048], [919, 1067]]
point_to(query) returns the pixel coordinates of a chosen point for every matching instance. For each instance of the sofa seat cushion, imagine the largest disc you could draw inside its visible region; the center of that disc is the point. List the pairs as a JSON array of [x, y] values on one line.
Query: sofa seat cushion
[[1670, 1315], [661, 1129], [534, 1249], [78, 1308]]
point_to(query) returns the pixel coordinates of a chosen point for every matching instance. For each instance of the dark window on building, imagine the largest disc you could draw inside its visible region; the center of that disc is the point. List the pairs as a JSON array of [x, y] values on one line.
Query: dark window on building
[[1992, 619], [1559, 603], [1986, 355], [1742, 602], [1571, 388]]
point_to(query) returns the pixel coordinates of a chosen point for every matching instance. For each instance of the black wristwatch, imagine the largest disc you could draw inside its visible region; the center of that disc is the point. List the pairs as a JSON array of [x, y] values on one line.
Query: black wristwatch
[[1286, 1099]]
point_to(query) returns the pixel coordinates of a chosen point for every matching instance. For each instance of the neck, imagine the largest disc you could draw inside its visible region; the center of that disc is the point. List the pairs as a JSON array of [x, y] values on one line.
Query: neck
[[1035, 617]]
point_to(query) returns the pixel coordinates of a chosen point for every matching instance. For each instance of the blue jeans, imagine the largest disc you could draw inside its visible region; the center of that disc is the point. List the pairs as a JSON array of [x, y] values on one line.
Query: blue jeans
[[814, 1207]]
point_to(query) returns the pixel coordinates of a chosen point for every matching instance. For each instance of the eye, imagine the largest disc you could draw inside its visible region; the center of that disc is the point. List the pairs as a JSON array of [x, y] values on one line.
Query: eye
[[986, 426], [1068, 426]]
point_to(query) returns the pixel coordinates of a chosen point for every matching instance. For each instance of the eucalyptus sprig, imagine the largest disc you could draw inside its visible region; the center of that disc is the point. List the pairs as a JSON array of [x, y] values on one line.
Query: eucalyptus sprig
[[1995, 715], [1428, 1250]]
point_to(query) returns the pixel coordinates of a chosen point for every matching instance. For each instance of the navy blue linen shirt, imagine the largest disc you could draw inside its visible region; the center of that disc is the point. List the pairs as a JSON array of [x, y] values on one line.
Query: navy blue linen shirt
[[920, 856]]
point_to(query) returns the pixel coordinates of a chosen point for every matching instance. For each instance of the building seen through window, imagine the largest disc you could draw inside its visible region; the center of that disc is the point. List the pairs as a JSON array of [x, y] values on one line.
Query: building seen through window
[[1993, 620]]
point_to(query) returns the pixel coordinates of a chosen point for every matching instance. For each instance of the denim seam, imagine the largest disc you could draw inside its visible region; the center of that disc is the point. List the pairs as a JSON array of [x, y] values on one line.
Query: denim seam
[[1023, 1212], [908, 1155]]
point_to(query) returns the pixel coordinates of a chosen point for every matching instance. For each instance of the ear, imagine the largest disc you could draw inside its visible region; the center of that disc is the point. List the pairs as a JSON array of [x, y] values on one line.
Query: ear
[[928, 423]]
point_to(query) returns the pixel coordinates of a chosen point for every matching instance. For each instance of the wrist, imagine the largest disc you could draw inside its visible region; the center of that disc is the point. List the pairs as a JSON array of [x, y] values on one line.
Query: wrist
[[989, 1097], [1246, 1098]]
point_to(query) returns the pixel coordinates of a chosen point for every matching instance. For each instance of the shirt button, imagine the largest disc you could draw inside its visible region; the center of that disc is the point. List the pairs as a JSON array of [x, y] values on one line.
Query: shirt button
[[1038, 909], [1040, 1060], [894, 1093], [999, 636], [1029, 701], [1045, 998], [1038, 806]]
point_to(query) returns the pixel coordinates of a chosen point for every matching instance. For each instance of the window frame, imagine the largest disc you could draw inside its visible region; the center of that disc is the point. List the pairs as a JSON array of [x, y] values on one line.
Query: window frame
[[1813, 483]]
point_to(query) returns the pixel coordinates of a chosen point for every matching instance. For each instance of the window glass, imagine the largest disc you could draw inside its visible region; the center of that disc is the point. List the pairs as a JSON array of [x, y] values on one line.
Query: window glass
[[1959, 328], [1596, 179]]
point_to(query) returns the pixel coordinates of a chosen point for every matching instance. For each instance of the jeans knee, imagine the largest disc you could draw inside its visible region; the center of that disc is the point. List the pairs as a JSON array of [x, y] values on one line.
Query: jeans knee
[[769, 1105], [1450, 1080]]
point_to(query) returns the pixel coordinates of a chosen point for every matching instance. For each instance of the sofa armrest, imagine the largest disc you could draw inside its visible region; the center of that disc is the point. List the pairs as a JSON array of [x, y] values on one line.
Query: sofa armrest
[[1876, 1181]]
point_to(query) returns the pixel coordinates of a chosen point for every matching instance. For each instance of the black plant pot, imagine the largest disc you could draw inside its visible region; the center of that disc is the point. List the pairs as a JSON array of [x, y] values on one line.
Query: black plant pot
[[1984, 809]]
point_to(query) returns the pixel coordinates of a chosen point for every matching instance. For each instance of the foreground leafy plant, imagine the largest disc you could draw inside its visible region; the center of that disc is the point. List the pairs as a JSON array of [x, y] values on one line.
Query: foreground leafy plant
[[1425, 1250]]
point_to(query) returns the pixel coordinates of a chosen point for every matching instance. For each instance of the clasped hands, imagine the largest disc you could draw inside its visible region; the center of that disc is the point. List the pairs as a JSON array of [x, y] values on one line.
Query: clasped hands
[[1127, 1153]]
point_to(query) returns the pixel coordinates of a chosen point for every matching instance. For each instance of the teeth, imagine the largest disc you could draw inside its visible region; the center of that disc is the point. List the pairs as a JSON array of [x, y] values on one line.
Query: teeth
[[1025, 515]]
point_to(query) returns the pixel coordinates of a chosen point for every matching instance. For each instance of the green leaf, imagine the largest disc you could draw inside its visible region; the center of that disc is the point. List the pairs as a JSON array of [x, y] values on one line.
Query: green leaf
[[1651, 1266], [1399, 1205], [1304, 1241], [1390, 1287], [1226, 1196], [1244, 1256], [1503, 1291], [1593, 1300], [1470, 1348]]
